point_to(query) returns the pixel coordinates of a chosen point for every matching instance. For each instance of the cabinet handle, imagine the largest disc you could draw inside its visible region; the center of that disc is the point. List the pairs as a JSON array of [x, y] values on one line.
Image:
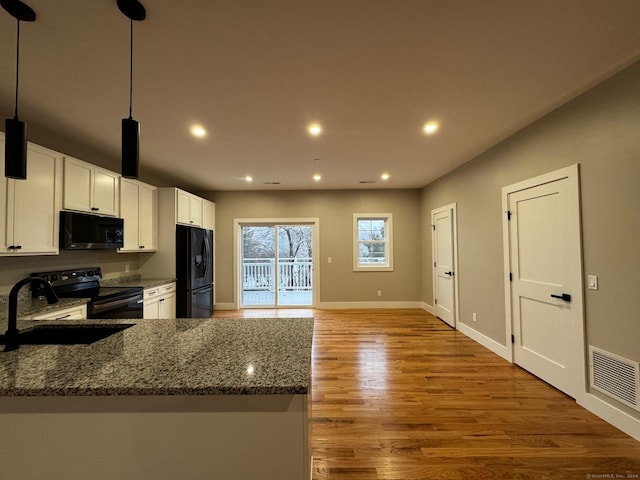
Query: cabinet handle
[[190, 221], [18, 247], [11, 247], [141, 246], [63, 317], [162, 299], [95, 209]]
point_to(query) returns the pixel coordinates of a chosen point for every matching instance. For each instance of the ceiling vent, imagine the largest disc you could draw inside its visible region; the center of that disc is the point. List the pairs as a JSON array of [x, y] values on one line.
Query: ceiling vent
[[616, 376]]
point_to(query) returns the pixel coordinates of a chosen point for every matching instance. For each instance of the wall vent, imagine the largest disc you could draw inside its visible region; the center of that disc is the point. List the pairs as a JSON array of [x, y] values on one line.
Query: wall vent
[[616, 376]]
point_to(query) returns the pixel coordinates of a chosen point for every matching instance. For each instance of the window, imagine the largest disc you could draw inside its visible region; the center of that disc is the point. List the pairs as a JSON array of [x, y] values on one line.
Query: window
[[372, 241]]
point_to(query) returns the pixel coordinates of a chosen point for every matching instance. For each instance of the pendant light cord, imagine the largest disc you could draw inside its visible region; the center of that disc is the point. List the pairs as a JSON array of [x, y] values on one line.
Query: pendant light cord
[[131, 70], [17, 67]]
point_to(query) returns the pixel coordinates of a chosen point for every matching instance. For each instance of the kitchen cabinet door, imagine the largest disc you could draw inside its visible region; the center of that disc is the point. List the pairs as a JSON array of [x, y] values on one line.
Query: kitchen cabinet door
[[167, 306], [78, 177], [105, 192], [129, 211], [151, 308], [189, 209], [91, 189], [208, 215], [29, 208], [148, 216], [139, 209]]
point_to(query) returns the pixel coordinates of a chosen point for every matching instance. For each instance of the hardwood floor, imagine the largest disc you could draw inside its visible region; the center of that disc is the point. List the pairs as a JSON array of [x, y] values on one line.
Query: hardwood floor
[[397, 394]]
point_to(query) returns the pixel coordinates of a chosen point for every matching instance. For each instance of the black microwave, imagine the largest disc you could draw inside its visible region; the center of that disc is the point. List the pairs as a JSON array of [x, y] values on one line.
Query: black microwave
[[79, 231]]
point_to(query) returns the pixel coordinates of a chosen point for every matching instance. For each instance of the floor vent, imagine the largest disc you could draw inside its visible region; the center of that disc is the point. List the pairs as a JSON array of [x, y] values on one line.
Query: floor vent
[[616, 376]]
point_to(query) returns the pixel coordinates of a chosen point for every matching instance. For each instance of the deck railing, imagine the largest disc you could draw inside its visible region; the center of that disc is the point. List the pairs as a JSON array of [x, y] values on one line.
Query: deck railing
[[294, 274]]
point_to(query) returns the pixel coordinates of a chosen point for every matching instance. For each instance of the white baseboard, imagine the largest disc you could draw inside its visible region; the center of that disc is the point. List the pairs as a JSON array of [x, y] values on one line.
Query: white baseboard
[[362, 305], [485, 341], [611, 414], [428, 308]]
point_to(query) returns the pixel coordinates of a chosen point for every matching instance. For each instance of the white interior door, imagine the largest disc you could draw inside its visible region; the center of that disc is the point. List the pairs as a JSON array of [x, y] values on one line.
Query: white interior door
[[545, 285], [443, 246]]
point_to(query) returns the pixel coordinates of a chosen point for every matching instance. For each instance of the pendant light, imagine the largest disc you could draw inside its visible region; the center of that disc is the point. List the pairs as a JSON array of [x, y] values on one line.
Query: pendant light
[[133, 10], [15, 153]]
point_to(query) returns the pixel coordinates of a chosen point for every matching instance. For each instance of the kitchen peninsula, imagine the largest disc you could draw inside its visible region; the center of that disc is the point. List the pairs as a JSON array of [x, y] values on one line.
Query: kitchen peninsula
[[163, 399]]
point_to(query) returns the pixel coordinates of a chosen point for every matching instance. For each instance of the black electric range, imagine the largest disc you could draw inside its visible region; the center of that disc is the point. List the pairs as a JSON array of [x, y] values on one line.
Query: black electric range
[[104, 302]]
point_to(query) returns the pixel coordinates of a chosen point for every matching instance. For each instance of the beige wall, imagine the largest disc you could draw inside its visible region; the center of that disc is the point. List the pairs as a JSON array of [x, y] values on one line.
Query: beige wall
[[335, 209], [600, 131]]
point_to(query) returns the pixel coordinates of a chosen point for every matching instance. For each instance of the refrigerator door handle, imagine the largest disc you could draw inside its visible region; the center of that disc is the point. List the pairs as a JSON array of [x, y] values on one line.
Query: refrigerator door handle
[[206, 254]]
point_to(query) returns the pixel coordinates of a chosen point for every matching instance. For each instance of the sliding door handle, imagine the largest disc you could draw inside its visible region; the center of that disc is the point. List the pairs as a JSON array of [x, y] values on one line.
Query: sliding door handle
[[565, 296]]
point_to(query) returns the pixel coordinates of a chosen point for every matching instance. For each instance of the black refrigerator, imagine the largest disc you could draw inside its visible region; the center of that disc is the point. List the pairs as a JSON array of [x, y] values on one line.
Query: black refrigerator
[[194, 272]]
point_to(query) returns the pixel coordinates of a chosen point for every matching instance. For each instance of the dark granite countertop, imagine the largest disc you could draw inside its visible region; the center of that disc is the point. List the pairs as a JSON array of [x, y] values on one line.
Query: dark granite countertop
[[252, 356]]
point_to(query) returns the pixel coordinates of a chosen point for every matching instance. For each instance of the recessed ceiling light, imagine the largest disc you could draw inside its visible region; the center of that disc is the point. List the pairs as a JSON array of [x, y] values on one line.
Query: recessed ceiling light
[[430, 128], [385, 176], [315, 129], [198, 131], [248, 179], [317, 177]]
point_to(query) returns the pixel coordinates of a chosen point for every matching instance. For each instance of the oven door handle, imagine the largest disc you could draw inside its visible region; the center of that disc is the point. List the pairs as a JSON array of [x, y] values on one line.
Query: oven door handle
[[102, 307]]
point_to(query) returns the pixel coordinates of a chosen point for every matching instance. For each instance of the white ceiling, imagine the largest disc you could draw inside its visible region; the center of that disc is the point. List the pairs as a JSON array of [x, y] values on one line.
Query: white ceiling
[[255, 73]]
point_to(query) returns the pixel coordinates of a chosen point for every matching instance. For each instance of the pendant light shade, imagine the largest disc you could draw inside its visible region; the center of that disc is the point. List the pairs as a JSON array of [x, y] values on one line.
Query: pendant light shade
[[15, 149], [133, 10], [130, 147]]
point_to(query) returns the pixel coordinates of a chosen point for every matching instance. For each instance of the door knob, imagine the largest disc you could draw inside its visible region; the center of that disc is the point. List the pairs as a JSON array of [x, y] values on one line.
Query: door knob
[[565, 296]]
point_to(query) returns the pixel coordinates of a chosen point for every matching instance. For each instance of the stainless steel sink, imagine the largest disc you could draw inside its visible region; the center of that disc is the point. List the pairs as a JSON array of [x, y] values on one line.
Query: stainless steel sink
[[62, 334]]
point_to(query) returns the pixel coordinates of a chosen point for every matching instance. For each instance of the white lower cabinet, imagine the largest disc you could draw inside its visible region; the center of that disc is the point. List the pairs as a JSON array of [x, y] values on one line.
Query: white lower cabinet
[[160, 302], [72, 313]]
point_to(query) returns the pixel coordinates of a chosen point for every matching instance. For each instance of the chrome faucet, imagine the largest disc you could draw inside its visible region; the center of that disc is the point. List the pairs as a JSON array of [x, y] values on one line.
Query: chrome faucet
[[11, 336]]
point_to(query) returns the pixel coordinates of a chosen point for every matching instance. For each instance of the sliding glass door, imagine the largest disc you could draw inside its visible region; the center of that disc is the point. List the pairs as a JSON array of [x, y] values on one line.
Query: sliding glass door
[[276, 265]]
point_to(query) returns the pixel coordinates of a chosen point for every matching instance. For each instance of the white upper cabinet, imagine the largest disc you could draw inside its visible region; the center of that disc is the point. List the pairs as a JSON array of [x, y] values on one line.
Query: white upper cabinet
[[189, 208], [29, 208], [139, 209], [91, 189], [208, 215]]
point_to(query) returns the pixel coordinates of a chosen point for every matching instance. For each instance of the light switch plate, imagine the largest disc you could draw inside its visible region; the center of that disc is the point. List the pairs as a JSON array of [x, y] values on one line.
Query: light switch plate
[[592, 282]]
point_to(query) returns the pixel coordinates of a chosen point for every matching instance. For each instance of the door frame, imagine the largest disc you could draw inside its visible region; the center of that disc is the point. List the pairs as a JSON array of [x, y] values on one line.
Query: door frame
[[578, 353], [238, 223], [453, 207]]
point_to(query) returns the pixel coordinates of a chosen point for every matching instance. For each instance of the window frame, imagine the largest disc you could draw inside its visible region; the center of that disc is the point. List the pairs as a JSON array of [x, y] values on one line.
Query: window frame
[[387, 266]]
